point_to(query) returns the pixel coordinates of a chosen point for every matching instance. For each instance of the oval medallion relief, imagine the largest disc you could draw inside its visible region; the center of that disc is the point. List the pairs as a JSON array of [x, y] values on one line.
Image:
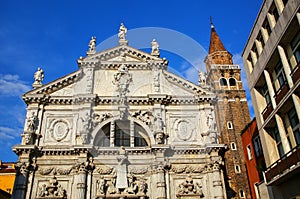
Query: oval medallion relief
[[184, 129], [60, 129]]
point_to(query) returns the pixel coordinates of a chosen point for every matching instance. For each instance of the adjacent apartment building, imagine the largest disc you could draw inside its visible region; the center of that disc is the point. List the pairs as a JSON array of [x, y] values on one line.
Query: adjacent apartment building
[[272, 59]]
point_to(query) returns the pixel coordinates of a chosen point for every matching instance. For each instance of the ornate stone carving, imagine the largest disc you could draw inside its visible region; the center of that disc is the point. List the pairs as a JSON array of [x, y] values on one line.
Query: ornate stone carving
[[59, 129], [38, 78], [45, 171], [101, 186], [122, 80], [156, 78], [187, 169], [188, 187], [144, 116], [31, 122], [54, 171], [202, 78], [103, 170], [155, 48], [22, 167], [184, 129], [98, 118], [51, 190], [134, 170], [89, 72], [92, 46]]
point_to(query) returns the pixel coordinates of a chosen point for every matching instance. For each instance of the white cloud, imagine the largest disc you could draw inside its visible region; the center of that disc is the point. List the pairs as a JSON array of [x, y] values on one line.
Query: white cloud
[[9, 133], [11, 85]]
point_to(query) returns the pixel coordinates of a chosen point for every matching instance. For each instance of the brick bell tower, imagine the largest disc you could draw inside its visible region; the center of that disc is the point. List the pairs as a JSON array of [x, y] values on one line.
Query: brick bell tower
[[232, 113]]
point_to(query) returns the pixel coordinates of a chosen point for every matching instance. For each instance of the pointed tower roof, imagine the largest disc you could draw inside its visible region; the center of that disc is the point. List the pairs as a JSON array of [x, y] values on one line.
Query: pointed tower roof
[[215, 41], [217, 52]]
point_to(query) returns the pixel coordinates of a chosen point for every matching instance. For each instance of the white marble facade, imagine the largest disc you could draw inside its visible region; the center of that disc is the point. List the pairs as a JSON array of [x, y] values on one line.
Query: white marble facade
[[121, 126]]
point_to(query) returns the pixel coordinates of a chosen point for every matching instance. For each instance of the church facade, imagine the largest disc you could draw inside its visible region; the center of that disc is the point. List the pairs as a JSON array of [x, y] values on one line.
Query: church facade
[[121, 126]]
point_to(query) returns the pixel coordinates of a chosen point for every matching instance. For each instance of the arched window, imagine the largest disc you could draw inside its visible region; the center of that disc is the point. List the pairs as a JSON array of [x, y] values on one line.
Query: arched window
[[125, 133], [232, 82], [223, 81]]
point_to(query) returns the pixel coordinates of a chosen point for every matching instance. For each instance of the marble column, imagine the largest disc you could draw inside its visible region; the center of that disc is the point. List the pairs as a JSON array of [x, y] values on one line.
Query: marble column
[[80, 182], [21, 180], [160, 182], [216, 180]]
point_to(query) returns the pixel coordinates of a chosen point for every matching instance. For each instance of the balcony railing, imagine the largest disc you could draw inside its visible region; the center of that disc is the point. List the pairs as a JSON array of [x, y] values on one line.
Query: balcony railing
[[281, 92], [224, 66], [266, 112], [283, 164], [295, 74]]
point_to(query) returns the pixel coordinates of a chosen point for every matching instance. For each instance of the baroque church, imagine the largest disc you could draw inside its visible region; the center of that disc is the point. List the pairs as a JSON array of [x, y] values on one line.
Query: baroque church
[[123, 126]]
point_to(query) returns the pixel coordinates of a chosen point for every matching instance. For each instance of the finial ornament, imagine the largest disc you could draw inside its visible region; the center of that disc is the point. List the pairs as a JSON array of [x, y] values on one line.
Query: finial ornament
[[38, 78], [211, 23], [92, 46], [122, 35], [155, 48]]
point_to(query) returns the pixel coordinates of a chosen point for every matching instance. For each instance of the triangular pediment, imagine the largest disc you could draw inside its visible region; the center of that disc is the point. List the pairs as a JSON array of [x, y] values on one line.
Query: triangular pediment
[[62, 85], [122, 53]]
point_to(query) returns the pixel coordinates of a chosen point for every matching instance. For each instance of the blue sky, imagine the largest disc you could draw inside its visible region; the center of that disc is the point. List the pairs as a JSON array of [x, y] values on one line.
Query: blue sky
[[52, 34]]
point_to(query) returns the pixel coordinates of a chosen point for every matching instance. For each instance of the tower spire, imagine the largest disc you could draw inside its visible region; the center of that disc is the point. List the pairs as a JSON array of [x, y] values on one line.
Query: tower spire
[[215, 41]]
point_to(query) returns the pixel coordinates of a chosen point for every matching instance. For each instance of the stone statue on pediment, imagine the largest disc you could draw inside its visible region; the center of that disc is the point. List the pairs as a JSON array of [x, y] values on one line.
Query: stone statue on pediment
[[92, 46], [38, 78], [122, 32], [155, 48], [202, 78]]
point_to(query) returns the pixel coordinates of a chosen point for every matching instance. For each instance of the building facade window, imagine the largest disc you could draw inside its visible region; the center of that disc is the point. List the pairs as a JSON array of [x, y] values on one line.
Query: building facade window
[[122, 133], [280, 76], [233, 146], [294, 122], [223, 81], [260, 39], [276, 136], [257, 146], [295, 47], [266, 94], [242, 194], [237, 168], [229, 125], [274, 14], [232, 81], [249, 152], [266, 26]]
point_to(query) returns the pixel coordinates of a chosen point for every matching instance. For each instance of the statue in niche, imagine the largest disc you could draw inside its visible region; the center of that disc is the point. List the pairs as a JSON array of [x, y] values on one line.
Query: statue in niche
[[155, 48], [133, 187], [158, 123], [101, 186], [210, 122], [92, 44], [28, 137], [86, 122], [122, 32], [142, 187], [38, 77], [31, 122]]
